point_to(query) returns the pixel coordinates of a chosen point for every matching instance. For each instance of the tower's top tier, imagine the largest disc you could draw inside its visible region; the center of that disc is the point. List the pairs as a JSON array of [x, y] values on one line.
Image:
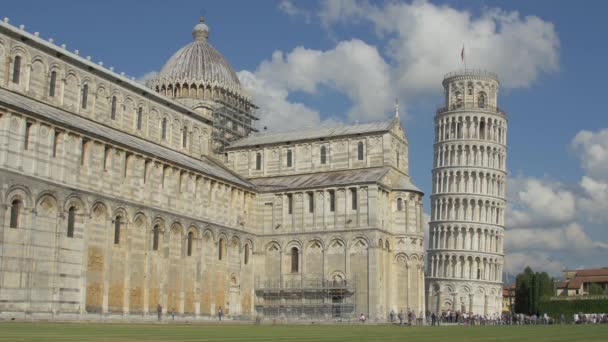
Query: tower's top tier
[[471, 89]]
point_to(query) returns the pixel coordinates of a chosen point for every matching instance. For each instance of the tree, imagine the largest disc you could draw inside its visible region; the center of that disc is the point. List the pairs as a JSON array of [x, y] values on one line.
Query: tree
[[595, 289], [530, 288]]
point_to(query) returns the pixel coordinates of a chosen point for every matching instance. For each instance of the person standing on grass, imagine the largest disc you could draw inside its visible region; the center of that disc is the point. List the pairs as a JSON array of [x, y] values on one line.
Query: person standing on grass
[[392, 315], [220, 313], [173, 313], [400, 316], [159, 311]]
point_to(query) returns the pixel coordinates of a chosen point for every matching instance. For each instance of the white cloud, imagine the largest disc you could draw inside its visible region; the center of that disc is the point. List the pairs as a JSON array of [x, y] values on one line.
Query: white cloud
[[592, 149], [292, 10], [352, 68], [425, 40], [517, 261], [417, 44], [276, 111], [552, 223], [535, 202], [146, 77]]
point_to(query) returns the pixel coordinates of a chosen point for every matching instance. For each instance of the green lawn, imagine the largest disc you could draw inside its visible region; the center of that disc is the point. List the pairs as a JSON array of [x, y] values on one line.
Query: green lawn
[[172, 332]]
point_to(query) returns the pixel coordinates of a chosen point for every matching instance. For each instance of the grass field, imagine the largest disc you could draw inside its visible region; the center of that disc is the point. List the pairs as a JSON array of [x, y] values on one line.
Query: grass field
[[139, 332]]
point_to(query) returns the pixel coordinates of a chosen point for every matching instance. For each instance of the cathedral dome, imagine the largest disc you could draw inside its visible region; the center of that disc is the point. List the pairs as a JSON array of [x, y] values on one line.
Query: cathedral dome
[[200, 64]]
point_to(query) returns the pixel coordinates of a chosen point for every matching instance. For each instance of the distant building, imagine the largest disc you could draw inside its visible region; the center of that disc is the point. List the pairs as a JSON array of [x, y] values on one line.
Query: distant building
[[508, 297], [577, 282]]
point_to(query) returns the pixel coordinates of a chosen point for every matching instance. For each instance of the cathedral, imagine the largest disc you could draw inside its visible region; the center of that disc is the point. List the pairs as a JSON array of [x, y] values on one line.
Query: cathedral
[[117, 197]]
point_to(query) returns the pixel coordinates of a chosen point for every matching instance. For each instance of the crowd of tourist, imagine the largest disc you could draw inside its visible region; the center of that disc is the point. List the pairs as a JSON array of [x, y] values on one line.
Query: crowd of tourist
[[463, 318]]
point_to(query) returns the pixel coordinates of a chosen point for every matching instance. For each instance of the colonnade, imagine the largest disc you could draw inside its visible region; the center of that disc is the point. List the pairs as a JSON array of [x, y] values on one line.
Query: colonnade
[[478, 182], [466, 267], [466, 238], [470, 154], [480, 127], [461, 208]]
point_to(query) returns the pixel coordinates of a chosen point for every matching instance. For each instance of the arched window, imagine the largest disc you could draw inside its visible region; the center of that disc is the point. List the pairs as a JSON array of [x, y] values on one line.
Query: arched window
[[163, 129], [470, 89], [71, 221], [15, 213], [458, 99], [52, 84], [85, 96], [323, 154], [332, 201], [155, 237], [113, 111], [246, 260], [481, 100], [399, 204], [26, 138], [294, 260], [360, 150], [185, 137], [220, 249], [311, 202], [16, 69], [190, 236], [258, 161], [289, 158], [117, 223], [353, 196], [140, 118]]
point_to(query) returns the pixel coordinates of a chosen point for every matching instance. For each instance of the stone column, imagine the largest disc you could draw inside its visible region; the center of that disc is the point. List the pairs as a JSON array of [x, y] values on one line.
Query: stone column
[[471, 301], [485, 304], [373, 281], [438, 304]]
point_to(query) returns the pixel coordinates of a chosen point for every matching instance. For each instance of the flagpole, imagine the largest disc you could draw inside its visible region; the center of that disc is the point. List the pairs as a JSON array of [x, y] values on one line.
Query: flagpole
[[464, 58]]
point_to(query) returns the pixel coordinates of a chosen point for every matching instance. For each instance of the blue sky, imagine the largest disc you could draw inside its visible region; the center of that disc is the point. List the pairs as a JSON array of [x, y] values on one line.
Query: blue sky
[[308, 62]]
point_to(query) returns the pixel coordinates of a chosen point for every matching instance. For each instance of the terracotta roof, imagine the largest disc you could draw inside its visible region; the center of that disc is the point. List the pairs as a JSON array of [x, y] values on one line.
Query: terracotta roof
[[575, 283], [592, 272], [508, 290]]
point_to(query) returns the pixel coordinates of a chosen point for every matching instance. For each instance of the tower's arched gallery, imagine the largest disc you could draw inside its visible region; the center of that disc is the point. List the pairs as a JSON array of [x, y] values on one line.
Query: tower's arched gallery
[[116, 197]]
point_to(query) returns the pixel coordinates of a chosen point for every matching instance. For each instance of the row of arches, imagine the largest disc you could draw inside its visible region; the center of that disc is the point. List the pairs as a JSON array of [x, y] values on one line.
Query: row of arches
[[56, 153], [204, 92], [468, 209], [450, 127], [477, 182], [488, 240], [465, 267], [470, 155], [60, 85], [76, 212], [136, 257], [453, 294]]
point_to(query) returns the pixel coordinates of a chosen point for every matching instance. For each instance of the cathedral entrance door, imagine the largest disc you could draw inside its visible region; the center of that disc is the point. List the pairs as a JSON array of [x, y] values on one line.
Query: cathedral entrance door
[[336, 310], [235, 301]]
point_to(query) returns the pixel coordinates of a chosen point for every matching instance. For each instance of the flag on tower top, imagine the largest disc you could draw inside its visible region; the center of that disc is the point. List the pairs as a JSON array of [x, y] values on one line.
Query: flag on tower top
[[462, 53]]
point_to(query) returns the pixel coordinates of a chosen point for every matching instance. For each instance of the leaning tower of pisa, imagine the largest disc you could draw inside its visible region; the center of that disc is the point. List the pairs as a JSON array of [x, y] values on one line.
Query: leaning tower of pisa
[[465, 255]]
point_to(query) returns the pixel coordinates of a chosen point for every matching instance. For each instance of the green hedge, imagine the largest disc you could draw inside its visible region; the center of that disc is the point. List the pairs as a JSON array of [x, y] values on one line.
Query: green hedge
[[554, 308]]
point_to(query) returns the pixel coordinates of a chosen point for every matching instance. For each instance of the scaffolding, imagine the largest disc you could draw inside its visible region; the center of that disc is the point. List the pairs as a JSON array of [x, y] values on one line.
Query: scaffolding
[[306, 299], [231, 122]]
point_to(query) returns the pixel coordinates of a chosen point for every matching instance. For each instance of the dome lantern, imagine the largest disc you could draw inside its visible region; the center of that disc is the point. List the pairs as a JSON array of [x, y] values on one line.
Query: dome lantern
[[200, 32]]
